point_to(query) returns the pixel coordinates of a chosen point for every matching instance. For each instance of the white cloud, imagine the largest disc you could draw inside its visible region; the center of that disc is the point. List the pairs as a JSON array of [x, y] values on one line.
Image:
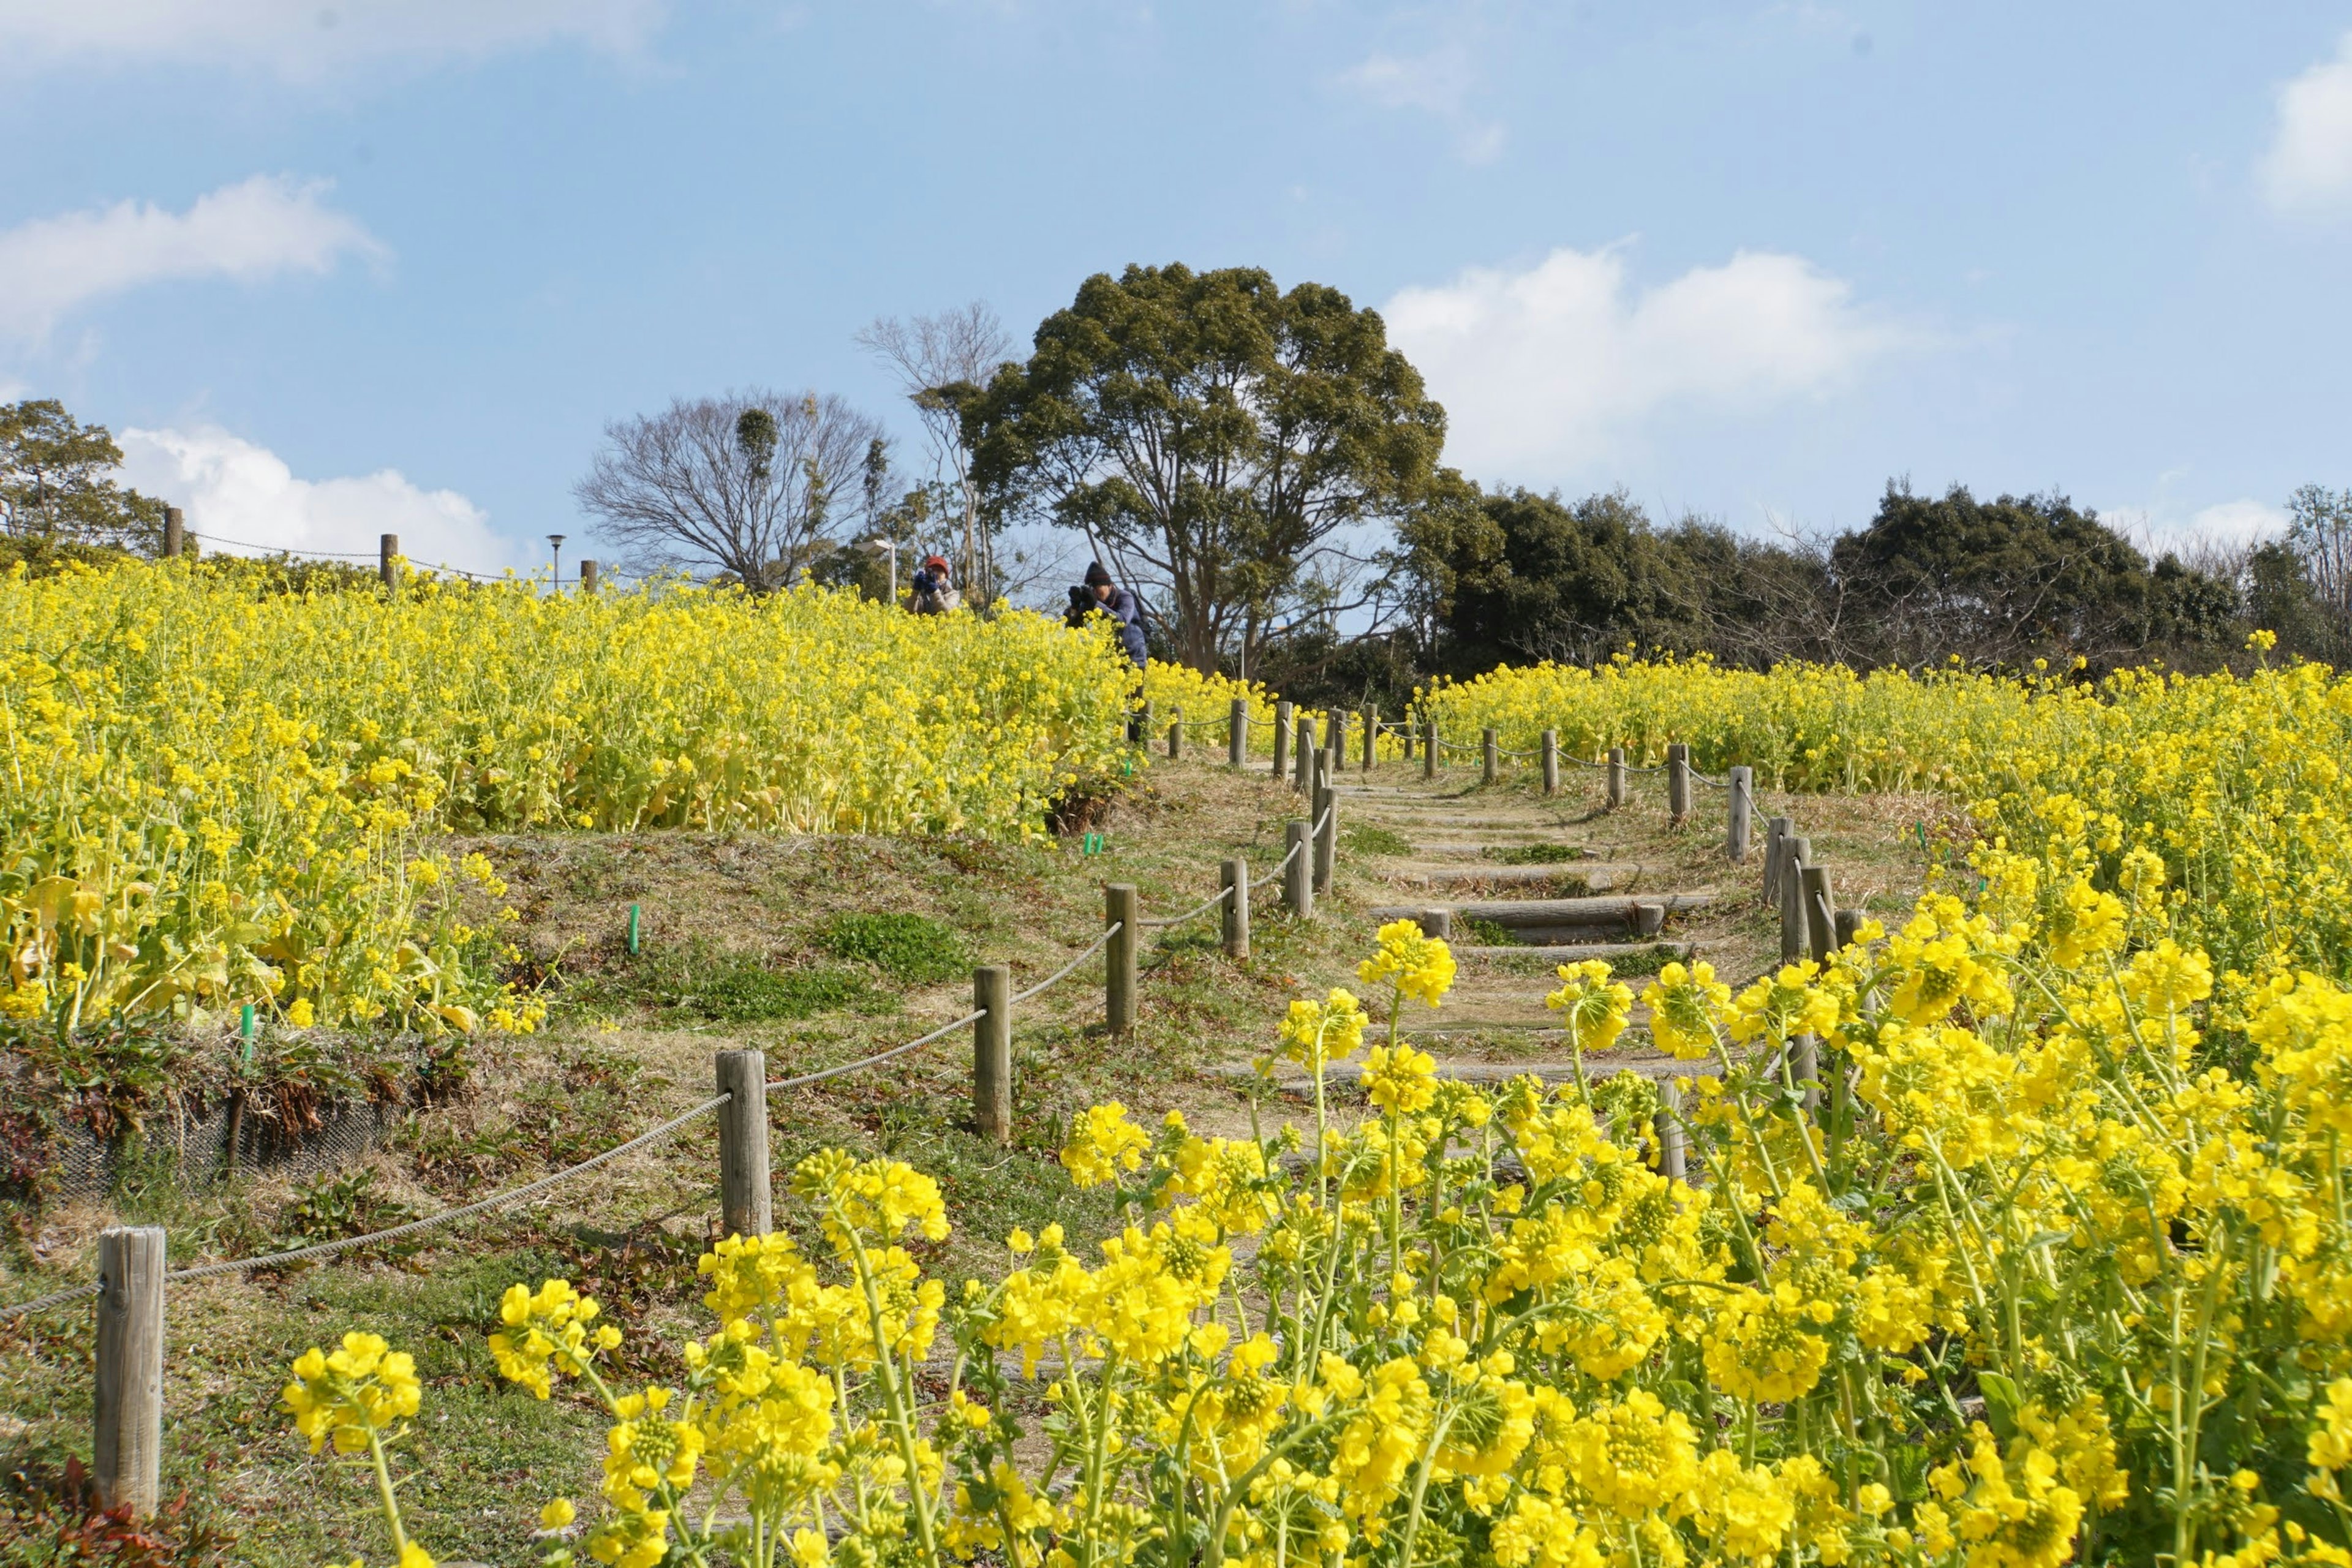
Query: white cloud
[[1555, 364], [2224, 526], [2308, 166], [242, 498], [252, 231], [1439, 83], [310, 37]]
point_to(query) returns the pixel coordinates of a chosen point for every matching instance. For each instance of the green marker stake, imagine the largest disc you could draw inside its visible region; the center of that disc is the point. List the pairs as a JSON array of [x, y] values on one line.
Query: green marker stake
[[245, 1026], [633, 931]]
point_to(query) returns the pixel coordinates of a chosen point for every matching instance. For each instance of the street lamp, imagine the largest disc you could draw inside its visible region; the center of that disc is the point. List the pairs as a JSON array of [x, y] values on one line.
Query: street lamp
[[891, 546], [555, 543]]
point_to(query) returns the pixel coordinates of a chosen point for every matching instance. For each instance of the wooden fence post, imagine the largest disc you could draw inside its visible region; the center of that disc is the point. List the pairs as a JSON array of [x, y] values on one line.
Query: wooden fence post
[[1429, 756], [127, 1460], [1304, 761], [1778, 835], [176, 532], [1405, 733], [1143, 730], [1678, 782], [992, 1053], [1121, 910], [1793, 852], [387, 550], [1616, 777], [1805, 1070], [1668, 1122], [1237, 735], [1176, 735], [1821, 913], [1437, 922], [746, 1197], [1371, 736], [587, 576], [1297, 869], [1235, 878], [1282, 711], [1490, 760], [1551, 762], [1335, 736], [1849, 926], [1325, 805], [1743, 807]]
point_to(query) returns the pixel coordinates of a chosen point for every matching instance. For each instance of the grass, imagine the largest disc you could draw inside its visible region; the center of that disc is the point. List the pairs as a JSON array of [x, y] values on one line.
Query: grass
[[909, 947], [1533, 854], [817, 952], [1369, 838]]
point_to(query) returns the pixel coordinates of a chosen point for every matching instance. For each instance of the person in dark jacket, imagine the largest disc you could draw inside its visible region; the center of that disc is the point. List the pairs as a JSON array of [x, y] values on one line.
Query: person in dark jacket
[[1122, 605]]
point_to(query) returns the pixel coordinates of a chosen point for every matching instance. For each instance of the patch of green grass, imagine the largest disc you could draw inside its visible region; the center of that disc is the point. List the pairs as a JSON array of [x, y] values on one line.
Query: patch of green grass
[[910, 949], [1533, 854], [1647, 958], [1485, 933], [744, 991], [1366, 838]]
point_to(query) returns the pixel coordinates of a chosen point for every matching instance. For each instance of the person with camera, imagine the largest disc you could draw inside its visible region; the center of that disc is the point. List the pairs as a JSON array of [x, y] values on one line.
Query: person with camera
[[1120, 604], [935, 592]]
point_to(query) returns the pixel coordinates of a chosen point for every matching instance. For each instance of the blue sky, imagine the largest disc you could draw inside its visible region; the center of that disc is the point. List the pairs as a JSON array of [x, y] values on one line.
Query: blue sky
[[338, 266]]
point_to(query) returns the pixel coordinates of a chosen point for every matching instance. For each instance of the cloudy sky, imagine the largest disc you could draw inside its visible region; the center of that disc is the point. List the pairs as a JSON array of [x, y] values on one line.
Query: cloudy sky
[[336, 268]]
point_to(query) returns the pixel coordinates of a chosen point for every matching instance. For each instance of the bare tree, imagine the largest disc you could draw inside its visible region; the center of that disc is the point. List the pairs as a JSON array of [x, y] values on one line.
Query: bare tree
[[937, 359], [2320, 533], [745, 485]]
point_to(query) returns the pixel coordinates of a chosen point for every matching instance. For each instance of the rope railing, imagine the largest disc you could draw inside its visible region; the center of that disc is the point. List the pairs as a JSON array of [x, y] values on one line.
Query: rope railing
[[1197, 911], [864, 1062], [529, 1189], [413, 1227], [1067, 969], [1295, 850]]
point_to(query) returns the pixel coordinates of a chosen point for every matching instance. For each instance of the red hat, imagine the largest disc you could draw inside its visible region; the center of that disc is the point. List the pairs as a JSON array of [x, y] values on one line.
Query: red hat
[[939, 561]]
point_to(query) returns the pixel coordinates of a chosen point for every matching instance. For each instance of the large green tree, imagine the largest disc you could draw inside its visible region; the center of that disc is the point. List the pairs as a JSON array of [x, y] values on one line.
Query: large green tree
[[1214, 435], [57, 484], [2004, 581]]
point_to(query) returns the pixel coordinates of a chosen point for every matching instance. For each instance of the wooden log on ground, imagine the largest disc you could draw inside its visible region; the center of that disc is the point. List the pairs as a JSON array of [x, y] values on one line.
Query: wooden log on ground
[[1602, 910]]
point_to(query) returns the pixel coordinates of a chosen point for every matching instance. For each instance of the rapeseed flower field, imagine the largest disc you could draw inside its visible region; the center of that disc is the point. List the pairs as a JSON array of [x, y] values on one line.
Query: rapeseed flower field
[[2031, 1285], [218, 797], [2233, 786]]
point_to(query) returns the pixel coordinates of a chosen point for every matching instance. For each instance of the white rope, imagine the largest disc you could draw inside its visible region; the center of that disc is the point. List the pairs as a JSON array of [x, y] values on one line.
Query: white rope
[[1063, 973], [1278, 870], [499, 1200], [878, 1056], [1216, 899]]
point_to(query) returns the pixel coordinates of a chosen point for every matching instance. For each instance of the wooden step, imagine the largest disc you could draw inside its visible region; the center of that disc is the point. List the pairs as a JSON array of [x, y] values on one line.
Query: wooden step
[[1476, 848], [1346, 1078], [1593, 876], [1581, 951], [1540, 914]]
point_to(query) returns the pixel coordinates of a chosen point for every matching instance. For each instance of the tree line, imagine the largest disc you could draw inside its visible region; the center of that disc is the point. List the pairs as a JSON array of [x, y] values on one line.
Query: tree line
[[1267, 471]]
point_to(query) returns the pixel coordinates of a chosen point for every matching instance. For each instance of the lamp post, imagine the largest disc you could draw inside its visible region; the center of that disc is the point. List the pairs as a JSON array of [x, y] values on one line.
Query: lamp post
[[889, 547], [555, 543]]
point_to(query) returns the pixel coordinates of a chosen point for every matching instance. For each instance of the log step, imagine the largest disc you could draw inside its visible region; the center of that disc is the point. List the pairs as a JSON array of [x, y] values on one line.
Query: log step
[[1547, 913]]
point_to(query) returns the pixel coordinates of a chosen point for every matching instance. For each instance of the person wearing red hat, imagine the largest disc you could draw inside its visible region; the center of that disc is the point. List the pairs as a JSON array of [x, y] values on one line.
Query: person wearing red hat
[[935, 594]]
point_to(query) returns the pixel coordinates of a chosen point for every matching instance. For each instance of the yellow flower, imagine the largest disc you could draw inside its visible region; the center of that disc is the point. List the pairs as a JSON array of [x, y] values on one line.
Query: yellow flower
[[1422, 966], [1592, 1006]]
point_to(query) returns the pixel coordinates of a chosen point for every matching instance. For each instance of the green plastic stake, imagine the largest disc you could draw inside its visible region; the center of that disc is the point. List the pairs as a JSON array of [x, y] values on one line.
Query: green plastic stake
[[633, 931], [245, 1026]]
